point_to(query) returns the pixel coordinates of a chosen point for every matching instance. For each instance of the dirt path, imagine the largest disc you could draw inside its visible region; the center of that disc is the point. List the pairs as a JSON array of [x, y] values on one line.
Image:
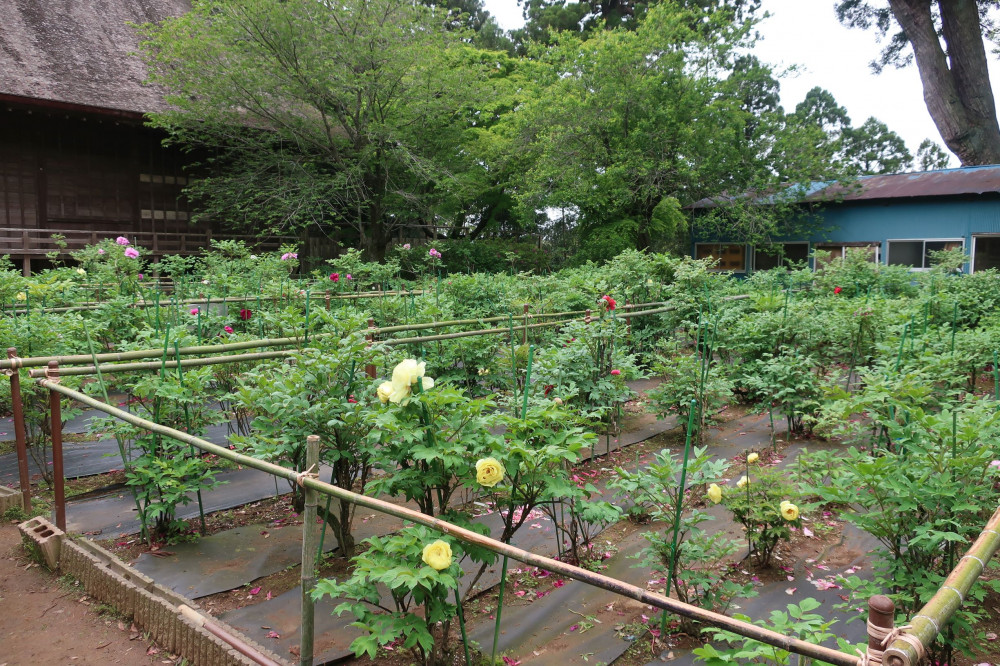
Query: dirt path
[[48, 622]]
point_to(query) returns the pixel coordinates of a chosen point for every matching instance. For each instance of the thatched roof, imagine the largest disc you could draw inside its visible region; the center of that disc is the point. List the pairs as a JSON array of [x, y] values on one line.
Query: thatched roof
[[79, 52]]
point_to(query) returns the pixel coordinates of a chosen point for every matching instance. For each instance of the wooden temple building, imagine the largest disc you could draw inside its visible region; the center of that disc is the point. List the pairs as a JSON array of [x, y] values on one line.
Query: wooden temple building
[[77, 163]]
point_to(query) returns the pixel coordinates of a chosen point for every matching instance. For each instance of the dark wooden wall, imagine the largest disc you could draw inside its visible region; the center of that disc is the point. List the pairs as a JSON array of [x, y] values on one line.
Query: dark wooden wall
[[89, 176]]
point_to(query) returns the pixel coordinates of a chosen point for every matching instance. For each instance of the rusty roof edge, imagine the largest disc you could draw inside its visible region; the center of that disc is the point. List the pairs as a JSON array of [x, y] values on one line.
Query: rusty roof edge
[[974, 180]]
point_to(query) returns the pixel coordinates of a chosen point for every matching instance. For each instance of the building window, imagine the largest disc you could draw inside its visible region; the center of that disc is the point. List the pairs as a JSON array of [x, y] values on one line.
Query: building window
[[916, 253], [730, 256], [986, 252], [779, 255], [839, 251]]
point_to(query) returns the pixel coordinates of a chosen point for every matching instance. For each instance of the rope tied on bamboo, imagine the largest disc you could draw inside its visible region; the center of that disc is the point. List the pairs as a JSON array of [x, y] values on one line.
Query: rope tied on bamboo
[[301, 477], [886, 636], [15, 361]]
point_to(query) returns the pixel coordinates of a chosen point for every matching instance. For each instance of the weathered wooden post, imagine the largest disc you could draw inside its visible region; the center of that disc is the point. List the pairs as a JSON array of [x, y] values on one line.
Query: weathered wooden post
[[20, 432], [524, 338], [881, 619], [310, 541], [370, 368], [55, 411]]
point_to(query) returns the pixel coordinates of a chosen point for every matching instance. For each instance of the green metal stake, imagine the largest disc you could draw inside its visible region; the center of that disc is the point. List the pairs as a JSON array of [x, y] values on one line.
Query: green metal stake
[[496, 628], [513, 356], [902, 343], [954, 326], [156, 304], [996, 378], [307, 318], [461, 618], [677, 515], [187, 424], [126, 463]]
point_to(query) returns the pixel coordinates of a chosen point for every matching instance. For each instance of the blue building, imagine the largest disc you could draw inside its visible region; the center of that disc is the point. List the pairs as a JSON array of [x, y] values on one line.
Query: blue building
[[898, 219]]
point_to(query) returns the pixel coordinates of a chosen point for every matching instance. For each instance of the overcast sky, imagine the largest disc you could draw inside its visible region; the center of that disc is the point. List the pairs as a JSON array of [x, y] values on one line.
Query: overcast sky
[[806, 33]]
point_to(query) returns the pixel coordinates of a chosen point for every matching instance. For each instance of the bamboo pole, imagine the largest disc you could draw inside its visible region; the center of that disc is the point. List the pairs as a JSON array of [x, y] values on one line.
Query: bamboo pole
[[925, 626], [591, 578], [157, 365], [38, 361], [236, 358], [93, 305]]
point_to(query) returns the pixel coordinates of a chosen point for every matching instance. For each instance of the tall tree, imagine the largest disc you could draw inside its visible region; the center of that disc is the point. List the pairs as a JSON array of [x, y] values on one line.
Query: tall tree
[[945, 37], [347, 113], [629, 124], [873, 148], [931, 156]]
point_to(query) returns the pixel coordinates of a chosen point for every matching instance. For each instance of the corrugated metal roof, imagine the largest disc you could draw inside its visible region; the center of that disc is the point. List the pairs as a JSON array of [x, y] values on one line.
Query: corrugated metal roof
[[947, 182]]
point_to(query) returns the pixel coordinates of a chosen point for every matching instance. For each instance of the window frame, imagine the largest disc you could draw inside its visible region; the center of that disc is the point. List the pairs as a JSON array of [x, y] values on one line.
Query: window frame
[[746, 257], [843, 246], [923, 253], [972, 250], [806, 243]]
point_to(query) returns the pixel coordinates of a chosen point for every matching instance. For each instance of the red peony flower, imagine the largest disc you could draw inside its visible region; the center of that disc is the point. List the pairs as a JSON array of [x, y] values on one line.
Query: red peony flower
[[609, 303], [837, 290], [335, 277], [548, 388], [228, 329], [246, 314]]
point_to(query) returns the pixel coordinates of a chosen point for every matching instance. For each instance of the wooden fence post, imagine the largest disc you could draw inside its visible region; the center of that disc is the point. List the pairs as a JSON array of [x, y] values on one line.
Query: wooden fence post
[[524, 338], [310, 542], [55, 410], [20, 432], [370, 368], [881, 619]]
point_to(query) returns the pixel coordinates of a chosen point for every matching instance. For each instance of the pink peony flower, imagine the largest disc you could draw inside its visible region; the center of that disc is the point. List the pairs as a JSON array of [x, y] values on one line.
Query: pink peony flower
[[195, 311], [228, 329], [141, 276], [289, 255], [100, 251], [131, 253], [406, 246], [434, 254], [121, 240], [335, 277], [348, 277], [616, 372]]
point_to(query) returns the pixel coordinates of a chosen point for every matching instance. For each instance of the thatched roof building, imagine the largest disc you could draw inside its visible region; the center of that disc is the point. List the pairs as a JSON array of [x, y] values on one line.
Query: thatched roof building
[[68, 52], [75, 157]]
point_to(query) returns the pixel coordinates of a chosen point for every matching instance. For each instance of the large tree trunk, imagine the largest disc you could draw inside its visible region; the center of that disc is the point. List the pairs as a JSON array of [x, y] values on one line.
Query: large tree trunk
[[956, 85]]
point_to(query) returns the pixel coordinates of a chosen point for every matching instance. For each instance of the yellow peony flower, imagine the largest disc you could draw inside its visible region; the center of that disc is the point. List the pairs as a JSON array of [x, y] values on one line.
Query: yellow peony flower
[[489, 472], [404, 376], [742, 482], [21, 296], [789, 511], [715, 493], [80, 271], [384, 391], [752, 458], [437, 555]]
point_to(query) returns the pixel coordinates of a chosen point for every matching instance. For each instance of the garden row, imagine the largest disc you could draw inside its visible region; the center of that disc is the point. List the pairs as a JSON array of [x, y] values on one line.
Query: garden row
[[888, 363]]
